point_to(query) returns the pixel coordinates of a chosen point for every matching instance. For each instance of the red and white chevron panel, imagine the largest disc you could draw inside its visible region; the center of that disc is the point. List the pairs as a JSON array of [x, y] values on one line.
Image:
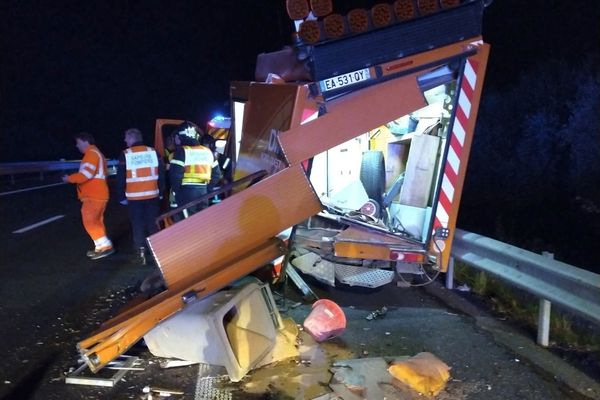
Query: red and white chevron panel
[[457, 141]]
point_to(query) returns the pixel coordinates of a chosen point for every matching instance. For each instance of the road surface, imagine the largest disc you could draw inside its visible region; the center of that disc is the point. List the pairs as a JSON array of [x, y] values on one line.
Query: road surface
[[53, 296]]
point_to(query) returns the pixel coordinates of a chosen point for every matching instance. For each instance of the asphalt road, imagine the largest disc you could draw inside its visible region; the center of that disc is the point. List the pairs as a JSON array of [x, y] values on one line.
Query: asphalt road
[[53, 296]]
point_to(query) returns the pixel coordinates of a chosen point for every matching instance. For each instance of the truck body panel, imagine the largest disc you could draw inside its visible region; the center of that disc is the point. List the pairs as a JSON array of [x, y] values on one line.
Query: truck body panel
[[206, 240]]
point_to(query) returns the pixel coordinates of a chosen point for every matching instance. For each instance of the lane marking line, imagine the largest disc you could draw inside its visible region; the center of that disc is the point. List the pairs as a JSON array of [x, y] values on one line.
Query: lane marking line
[[44, 222], [32, 188]]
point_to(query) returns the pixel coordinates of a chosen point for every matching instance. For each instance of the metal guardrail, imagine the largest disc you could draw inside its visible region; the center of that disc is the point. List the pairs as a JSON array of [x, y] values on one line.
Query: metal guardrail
[[44, 167], [18, 168], [575, 289]]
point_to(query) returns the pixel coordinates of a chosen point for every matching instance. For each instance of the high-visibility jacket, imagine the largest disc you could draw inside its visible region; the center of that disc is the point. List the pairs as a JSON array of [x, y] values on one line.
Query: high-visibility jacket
[[141, 173], [91, 177], [197, 165], [168, 157]]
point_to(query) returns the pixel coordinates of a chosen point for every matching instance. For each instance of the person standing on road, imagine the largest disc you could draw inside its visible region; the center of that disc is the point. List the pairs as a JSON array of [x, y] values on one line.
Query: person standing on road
[[92, 190], [140, 179], [172, 143], [191, 168]]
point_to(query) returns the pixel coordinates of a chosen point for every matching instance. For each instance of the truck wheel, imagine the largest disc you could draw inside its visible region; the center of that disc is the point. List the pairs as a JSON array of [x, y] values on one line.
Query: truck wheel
[[372, 175]]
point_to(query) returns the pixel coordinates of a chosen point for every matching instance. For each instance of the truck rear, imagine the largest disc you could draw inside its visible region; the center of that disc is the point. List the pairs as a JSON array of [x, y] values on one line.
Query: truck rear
[[381, 120], [356, 137]]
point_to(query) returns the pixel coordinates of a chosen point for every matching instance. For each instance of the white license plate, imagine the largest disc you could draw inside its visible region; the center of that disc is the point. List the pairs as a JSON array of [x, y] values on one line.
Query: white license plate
[[345, 80]]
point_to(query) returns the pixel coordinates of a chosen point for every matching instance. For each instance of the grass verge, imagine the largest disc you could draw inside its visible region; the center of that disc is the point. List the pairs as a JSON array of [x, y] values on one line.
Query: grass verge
[[566, 330]]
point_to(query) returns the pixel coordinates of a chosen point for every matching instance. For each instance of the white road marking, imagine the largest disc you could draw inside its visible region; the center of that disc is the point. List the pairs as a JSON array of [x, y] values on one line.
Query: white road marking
[[44, 222], [32, 188]]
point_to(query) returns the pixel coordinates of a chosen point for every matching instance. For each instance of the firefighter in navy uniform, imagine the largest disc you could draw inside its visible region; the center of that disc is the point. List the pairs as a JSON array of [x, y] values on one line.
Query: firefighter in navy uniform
[[140, 177], [192, 168], [172, 141]]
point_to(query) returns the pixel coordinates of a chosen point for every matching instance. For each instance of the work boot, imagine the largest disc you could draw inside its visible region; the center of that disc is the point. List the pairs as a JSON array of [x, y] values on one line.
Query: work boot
[[102, 252]]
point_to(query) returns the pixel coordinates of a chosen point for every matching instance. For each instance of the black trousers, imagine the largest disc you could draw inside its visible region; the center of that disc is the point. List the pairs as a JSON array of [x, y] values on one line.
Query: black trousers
[[189, 193], [142, 215]]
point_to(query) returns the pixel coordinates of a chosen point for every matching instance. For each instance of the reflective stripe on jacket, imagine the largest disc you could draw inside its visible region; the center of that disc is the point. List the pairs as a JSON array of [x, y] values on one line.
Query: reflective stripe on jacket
[[141, 163], [91, 177], [168, 157], [197, 165]]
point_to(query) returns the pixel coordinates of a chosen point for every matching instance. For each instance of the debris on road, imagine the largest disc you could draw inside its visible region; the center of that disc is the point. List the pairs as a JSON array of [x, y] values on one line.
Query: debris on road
[[239, 329], [364, 378], [326, 320], [424, 373], [198, 333], [285, 344], [161, 391], [122, 364], [377, 313], [172, 363], [389, 377]]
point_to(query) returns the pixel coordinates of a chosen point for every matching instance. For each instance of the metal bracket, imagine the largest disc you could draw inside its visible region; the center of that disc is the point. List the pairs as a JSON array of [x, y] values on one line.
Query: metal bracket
[[122, 364], [299, 282], [188, 297]]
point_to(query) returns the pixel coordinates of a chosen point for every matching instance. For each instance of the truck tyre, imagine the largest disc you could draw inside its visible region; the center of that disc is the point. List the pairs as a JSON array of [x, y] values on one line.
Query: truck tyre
[[372, 175]]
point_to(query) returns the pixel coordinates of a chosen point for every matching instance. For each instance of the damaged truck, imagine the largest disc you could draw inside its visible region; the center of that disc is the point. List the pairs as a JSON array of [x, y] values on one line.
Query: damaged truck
[[347, 156]]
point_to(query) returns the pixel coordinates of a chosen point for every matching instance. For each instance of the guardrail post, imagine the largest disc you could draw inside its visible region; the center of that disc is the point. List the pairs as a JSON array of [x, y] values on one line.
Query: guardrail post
[[450, 274], [543, 333]]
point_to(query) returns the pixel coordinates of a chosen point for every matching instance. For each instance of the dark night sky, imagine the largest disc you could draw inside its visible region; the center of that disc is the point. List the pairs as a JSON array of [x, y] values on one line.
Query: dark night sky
[[109, 65]]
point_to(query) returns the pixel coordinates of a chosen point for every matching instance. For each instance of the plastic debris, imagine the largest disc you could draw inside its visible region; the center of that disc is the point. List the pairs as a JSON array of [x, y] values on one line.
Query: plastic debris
[[424, 373], [463, 288], [325, 321], [377, 313], [175, 363], [161, 391]]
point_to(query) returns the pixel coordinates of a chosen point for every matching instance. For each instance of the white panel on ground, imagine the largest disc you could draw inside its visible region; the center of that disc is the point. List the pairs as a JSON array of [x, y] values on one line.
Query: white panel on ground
[[234, 328]]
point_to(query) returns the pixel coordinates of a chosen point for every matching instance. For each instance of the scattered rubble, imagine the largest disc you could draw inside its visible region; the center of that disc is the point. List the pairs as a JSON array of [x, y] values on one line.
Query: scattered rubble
[[161, 391], [377, 313]]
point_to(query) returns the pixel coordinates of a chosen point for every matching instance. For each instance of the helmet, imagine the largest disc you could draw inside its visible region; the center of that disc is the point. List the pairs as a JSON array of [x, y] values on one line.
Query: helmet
[[187, 129]]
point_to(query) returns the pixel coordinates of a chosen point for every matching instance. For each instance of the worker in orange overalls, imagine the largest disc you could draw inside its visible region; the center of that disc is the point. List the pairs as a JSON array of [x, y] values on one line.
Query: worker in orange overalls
[[92, 190], [140, 179]]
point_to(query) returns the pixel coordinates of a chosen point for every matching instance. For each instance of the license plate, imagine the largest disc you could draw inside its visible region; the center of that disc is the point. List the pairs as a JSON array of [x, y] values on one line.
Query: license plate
[[345, 80]]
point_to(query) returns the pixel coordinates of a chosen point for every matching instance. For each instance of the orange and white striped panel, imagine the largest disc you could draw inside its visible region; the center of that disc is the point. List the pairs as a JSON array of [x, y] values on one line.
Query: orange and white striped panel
[[457, 141]]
